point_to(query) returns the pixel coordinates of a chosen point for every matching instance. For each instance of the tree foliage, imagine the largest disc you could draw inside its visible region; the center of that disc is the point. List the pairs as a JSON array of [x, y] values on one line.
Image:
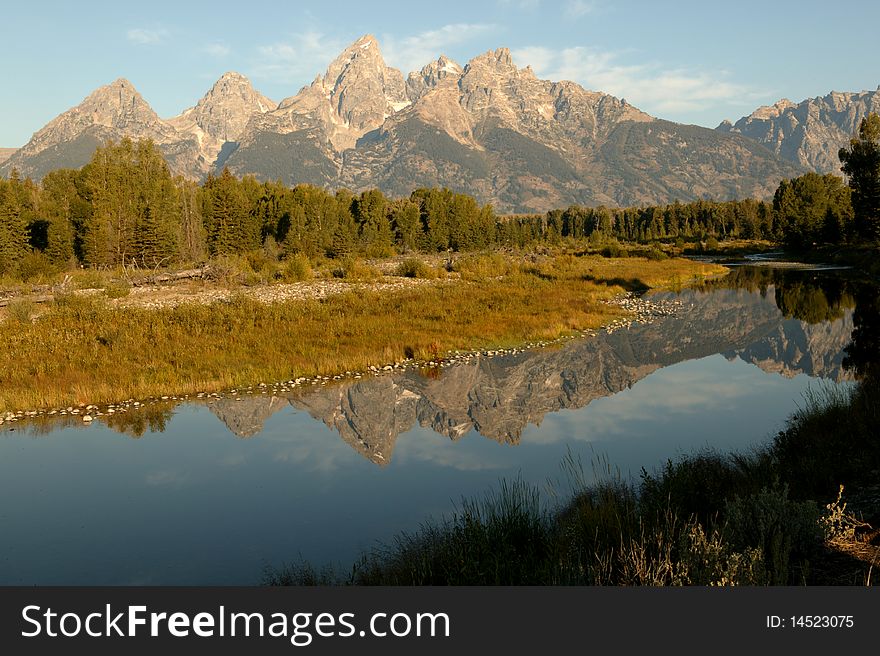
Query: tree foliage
[[135, 210], [13, 222], [813, 209], [124, 207], [861, 164]]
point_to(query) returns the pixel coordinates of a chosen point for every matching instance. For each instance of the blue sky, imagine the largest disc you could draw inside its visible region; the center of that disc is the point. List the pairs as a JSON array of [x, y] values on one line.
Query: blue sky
[[692, 62]]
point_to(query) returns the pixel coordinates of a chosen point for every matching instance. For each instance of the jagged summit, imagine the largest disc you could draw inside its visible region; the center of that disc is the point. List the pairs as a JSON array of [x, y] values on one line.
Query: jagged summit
[[488, 128], [431, 75], [112, 111], [809, 133], [221, 115], [355, 95]]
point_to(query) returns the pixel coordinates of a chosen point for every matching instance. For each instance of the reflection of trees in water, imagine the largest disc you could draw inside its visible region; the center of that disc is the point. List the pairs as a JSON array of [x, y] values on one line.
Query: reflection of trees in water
[[813, 303], [135, 423], [802, 295], [863, 352]]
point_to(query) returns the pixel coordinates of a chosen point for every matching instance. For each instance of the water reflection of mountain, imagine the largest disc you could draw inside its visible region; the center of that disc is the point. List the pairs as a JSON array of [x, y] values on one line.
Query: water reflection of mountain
[[499, 397]]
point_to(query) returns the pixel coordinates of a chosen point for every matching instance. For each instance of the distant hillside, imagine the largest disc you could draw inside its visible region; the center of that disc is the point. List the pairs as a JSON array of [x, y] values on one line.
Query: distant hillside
[[6, 153]]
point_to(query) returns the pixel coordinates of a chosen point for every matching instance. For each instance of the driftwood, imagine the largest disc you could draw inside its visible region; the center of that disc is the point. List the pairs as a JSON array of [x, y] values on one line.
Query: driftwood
[[155, 279], [171, 277], [33, 299]]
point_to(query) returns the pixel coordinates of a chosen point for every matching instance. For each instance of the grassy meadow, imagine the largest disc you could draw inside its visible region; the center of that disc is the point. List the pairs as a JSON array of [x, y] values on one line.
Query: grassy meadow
[[84, 349]]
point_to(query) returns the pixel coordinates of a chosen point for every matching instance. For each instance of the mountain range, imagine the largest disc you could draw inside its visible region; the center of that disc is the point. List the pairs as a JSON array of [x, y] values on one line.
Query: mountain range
[[488, 128], [809, 133]]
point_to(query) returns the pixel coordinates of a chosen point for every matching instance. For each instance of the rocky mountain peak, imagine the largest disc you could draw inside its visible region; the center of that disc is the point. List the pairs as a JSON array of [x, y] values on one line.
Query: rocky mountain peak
[[431, 75], [224, 111], [810, 132], [112, 111], [113, 105], [356, 94], [364, 51], [362, 89], [772, 111], [501, 56]]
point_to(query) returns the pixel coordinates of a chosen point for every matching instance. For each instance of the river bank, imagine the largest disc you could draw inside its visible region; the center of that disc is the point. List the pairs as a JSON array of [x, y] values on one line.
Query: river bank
[[91, 353], [803, 510]]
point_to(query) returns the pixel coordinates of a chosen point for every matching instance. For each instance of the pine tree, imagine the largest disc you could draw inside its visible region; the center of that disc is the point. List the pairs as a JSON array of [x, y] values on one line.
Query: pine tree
[[227, 219], [861, 164], [13, 224], [374, 228]]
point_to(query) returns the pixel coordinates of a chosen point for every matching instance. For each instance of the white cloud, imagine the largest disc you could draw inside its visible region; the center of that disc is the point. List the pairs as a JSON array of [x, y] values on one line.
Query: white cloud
[[217, 49], [299, 58], [650, 86], [411, 53], [146, 37], [578, 8]]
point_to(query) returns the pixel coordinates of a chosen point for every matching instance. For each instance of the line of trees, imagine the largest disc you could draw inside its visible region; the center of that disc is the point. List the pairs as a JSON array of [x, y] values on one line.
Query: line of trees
[[124, 207]]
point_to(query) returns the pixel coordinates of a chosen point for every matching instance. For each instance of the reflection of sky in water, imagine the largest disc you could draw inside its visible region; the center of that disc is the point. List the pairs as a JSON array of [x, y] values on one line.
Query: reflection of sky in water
[[197, 505]]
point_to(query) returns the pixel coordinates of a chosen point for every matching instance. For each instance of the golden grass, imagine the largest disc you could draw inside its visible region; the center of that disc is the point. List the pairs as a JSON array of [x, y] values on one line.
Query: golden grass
[[84, 351]]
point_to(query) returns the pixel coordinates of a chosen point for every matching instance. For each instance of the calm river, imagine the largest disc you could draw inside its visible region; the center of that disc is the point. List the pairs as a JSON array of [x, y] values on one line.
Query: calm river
[[211, 493]]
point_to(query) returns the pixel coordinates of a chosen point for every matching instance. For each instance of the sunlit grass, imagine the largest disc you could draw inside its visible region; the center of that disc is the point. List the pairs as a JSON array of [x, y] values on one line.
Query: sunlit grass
[[84, 350]]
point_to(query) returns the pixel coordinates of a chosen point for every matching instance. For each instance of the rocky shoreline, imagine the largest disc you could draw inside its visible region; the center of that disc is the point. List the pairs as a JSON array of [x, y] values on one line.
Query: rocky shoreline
[[640, 309]]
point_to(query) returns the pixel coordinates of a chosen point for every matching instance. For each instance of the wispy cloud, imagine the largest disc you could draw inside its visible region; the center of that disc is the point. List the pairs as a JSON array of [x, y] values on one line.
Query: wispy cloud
[[578, 8], [297, 58], [650, 86], [218, 50], [146, 37], [413, 52], [520, 4]]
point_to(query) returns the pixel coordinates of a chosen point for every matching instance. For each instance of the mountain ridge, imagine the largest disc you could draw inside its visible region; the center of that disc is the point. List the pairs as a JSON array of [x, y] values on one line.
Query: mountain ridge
[[488, 128], [811, 132]]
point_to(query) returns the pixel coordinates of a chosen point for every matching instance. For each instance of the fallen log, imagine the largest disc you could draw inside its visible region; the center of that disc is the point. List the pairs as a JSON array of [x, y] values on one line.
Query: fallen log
[[170, 277], [33, 299]]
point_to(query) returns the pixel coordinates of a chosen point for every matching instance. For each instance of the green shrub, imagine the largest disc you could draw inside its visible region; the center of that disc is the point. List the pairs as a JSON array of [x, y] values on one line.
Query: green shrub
[[414, 268], [297, 268], [20, 310], [482, 266], [35, 266], [351, 268], [91, 279], [504, 539], [260, 262], [787, 532], [76, 306], [614, 249], [230, 269], [655, 253]]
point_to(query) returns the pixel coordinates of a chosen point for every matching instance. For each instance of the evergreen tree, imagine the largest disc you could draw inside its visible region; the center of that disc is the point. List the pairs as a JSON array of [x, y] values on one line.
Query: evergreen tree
[[13, 224], [193, 246], [407, 224], [64, 211], [861, 164], [374, 229], [135, 216], [230, 227], [812, 209]]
